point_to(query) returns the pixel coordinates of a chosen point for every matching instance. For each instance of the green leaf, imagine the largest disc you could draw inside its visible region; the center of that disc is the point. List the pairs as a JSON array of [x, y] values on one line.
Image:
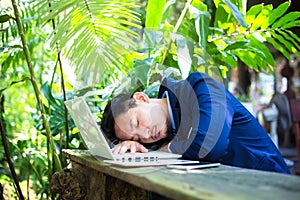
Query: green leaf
[[202, 20], [6, 86], [201, 25], [48, 95], [230, 59], [255, 43], [277, 46], [291, 39], [185, 51], [187, 29], [278, 12], [285, 43], [262, 19], [292, 16], [166, 10], [141, 71], [237, 45], [253, 12], [200, 5], [293, 35], [254, 57], [236, 13], [4, 18], [248, 58], [291, 24], [154, 13], [257, 52], [221, 16]]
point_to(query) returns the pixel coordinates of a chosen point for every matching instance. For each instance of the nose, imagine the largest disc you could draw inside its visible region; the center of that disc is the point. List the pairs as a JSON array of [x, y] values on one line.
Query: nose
[[144, 133]]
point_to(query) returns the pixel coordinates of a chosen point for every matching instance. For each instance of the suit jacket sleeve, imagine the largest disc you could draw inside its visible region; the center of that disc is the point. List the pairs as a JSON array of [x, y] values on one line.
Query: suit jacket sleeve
[[211, 118]]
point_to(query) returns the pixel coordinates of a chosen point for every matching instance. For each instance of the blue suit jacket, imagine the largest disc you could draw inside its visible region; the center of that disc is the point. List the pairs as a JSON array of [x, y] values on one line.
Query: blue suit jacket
[[211, 124]]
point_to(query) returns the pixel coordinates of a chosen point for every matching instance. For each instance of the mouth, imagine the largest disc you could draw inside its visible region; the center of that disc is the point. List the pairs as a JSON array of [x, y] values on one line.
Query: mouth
[[155, 134]]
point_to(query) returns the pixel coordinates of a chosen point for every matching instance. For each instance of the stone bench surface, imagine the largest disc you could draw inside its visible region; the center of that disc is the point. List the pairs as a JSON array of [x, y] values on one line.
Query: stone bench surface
[[224, 182]]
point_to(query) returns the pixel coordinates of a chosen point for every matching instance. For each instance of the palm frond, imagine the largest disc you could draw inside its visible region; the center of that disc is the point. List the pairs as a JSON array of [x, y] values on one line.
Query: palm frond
[[95, 33]]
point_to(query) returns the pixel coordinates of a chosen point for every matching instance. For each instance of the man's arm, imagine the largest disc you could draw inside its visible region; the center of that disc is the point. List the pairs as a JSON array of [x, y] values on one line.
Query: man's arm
[[206, 118]]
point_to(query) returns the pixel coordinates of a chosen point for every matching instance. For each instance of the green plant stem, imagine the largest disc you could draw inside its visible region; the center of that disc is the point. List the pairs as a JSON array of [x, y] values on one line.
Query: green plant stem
[[7, 154], [36, 89], [65, 98], [63, 88], [177, 25]]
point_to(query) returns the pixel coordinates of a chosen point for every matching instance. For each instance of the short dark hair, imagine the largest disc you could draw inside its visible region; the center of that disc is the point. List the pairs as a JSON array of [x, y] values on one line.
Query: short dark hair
[[118, 105]]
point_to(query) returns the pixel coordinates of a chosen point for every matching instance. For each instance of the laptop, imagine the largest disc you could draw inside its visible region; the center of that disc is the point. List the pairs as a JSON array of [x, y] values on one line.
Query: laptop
[[98, 145]]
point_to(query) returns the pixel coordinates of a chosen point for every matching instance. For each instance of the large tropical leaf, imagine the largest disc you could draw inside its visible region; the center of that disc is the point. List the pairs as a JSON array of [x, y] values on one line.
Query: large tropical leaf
[[202, 19], [154, 13], [94, 33]]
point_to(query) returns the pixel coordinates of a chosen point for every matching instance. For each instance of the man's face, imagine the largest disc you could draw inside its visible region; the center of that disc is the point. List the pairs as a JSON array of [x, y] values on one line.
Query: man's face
[[146, 123]]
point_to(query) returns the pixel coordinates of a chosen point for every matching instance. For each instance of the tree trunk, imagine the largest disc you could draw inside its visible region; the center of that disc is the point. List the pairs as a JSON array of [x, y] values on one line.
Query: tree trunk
[[244, 79]]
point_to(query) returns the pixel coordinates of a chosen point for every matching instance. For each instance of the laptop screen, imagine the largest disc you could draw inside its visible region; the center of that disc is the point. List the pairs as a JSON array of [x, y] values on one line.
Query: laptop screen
[[89, 129]]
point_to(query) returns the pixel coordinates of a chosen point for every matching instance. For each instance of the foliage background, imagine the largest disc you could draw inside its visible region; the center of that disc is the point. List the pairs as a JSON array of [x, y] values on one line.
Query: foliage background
[[102, 48]]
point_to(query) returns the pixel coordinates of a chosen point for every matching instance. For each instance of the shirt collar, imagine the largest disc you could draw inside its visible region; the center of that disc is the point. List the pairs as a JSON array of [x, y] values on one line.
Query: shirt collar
[[166, 95]]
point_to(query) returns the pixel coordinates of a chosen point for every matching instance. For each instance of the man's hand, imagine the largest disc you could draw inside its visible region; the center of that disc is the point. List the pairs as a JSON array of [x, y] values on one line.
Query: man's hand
[[132, 146]]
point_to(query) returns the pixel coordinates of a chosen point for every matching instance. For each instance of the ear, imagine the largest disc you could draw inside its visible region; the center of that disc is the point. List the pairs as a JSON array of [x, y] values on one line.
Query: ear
[[140, 96]]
